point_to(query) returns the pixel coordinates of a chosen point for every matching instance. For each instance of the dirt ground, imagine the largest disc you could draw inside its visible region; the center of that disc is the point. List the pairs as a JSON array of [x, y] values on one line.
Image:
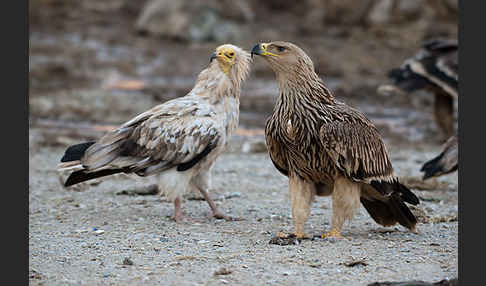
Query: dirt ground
[[93, 235], [96, 234]]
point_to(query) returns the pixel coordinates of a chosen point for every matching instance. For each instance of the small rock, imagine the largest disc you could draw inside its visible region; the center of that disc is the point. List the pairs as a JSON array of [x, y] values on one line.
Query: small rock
[[127, 261], [223, 271], [355, 263], [331, 239], [233, 195], [35, 274], [98, 231], [290, 240]]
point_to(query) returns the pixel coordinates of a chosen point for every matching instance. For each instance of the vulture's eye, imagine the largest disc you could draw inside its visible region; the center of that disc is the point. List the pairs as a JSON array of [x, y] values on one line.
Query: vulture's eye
[[280, 49]]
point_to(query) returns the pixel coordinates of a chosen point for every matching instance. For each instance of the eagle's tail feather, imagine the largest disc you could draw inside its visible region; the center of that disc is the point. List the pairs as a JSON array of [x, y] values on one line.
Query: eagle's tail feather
[[390, 212]]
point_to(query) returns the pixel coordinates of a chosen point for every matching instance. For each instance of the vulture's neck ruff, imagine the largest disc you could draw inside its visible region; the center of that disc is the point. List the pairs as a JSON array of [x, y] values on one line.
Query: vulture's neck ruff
[[217, 83]]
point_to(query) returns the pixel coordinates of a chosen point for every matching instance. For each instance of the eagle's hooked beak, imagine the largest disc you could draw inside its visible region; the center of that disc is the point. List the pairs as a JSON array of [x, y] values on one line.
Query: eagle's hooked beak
[[213, 56], [261, 50]]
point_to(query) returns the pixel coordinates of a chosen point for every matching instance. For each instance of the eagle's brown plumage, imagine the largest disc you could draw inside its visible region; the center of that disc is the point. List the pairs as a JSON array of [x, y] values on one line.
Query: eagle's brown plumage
[[328, 148], [179, 139]]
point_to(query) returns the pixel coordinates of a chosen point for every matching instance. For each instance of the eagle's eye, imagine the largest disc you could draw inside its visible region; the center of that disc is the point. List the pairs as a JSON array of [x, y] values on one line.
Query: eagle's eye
[[230, 54], [280, 49]]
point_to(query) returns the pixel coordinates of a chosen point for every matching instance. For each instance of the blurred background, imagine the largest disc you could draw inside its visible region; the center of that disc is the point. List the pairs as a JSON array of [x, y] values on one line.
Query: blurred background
[[94, 64]]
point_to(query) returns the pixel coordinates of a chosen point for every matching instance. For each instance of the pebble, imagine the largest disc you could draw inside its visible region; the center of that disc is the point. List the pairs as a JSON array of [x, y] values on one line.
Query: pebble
[[233, 195], [98, 231], [331, 239], [127, 261]]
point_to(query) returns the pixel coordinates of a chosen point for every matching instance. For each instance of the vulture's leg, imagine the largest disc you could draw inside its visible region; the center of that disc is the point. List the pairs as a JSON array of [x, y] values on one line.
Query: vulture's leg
[[444, 113], [301, 197], [202, 182], [216, 213], [178, 217], [345, 201]]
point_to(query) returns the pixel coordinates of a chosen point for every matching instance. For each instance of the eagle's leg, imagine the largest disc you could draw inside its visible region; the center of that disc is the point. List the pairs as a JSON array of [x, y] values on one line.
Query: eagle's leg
[[216, 213], [301, 197], [444, 113], [345, 202]]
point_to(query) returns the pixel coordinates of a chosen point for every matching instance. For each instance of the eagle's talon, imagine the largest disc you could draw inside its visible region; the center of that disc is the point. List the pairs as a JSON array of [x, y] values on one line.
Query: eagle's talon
[[332, 233], [293, 235]]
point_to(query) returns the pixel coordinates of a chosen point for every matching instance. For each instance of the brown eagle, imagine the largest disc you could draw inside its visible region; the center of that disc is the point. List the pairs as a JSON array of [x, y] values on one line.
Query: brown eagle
[[179, 140], [327, 148]]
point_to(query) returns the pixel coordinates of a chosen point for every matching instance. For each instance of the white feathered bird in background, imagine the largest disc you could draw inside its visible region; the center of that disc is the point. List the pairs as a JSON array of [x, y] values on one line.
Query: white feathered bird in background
[[179, 139]]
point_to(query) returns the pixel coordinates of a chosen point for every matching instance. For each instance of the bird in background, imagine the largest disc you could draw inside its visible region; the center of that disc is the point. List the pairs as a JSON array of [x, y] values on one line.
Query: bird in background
[[327, 148], [433, 68], [178, 140], [444, 163]]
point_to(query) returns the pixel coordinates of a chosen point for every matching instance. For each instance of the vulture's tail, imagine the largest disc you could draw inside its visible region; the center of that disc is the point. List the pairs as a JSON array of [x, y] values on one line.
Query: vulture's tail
[[75, 152], [391, 209], [81, 175], [71, 161]]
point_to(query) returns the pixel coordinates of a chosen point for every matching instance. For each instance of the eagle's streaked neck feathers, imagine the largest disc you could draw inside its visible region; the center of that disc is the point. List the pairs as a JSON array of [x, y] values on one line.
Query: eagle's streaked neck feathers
[[300, 86]]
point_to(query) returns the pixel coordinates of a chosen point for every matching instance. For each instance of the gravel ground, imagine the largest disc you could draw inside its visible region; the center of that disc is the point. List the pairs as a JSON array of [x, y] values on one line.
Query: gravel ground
[[91, 235]]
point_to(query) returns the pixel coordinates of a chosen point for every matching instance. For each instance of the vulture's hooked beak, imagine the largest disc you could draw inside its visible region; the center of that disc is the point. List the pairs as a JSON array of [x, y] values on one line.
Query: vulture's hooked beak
[[261, 50], [213, 56]]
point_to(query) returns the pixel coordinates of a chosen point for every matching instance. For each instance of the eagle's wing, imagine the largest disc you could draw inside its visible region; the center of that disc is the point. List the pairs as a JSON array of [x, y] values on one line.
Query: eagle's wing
[[356, 149], [274, 150], [177, 133]]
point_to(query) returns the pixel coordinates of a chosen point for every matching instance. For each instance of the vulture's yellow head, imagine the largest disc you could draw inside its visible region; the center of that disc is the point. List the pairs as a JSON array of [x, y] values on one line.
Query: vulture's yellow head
[[284, 58], [233, 61]]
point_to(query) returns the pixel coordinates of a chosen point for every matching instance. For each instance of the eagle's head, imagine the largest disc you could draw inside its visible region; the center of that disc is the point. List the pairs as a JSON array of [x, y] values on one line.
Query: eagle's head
[[284, 57]]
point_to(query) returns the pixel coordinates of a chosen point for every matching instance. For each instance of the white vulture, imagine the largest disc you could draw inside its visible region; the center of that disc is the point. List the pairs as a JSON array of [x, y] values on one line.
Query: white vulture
[[179, 140], [327, 148]]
